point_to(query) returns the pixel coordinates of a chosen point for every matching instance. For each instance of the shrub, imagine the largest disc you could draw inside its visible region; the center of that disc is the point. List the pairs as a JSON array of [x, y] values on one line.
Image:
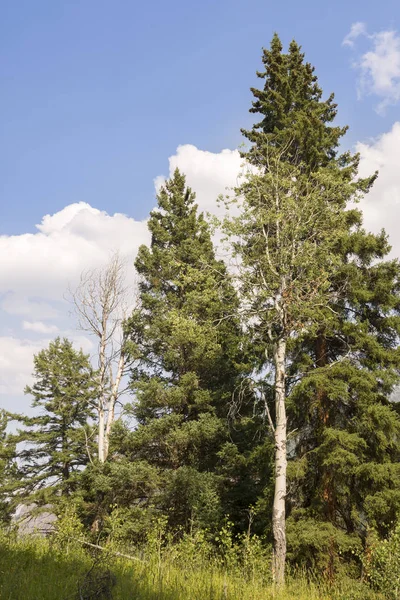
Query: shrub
[[382, 563]]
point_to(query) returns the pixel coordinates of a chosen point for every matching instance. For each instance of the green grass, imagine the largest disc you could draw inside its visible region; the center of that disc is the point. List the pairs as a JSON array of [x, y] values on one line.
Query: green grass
[[33, 569]]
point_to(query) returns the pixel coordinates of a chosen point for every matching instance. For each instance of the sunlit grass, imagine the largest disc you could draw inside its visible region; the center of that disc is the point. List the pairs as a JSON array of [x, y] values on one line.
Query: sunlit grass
[[34, 569]]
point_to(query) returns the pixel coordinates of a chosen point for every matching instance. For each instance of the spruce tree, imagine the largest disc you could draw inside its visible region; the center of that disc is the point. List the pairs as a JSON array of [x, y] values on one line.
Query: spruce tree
[[348, 363], [8, 467], [294, 117], [54, 445], [346, 475], [187, 339]]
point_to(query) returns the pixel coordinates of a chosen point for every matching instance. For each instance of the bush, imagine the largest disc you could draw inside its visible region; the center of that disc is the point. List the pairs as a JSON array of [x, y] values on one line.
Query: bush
[[382, 563]]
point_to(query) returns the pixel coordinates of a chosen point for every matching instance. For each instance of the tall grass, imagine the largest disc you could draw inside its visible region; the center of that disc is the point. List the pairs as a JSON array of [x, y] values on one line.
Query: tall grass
[[41, 569]]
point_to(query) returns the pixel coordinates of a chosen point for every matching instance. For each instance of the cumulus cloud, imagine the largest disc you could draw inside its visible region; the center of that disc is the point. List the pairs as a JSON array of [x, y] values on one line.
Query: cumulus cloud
[[16, 366], [78, 237], [381, 207], [35, 270], [39, 327], [209, 174], [20, 305], [379, 67]]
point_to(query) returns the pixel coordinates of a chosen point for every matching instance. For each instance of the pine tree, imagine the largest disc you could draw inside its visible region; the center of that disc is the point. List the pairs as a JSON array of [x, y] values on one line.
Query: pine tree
[[54, 444], [8, 467], [294, 118], [187, 338], [356, 332], [347, 473]]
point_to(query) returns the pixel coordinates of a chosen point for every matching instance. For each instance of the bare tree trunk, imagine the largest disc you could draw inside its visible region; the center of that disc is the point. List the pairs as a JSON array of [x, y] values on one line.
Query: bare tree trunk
[[279, 512], [102, 389], [101, 304], [112, 402], [100, 442]]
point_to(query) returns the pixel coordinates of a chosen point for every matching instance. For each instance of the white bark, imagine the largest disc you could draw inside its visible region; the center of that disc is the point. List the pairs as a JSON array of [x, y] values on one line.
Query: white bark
[[112, 402], [279, 507], [102, 400], [100, 441], [101, 306], [285, 241]]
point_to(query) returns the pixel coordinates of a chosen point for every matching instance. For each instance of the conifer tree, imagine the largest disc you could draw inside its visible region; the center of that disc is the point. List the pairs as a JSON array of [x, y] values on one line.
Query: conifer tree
[[187, 339], [357, 329], [54, 444], [346, 475], [294, 118], [8, 467]]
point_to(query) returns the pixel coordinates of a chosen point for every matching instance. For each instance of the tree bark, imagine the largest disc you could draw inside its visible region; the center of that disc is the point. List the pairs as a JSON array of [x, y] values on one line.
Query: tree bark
[[279, 507], [102, 388], [111, 404], [101, 436]]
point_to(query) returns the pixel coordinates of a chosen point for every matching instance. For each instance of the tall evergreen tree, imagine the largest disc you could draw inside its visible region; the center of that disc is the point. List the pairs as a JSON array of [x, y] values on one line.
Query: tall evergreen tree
[[346, 475], [348, 364], [8, 467], [187, 338], [54, 444], [294, 117]]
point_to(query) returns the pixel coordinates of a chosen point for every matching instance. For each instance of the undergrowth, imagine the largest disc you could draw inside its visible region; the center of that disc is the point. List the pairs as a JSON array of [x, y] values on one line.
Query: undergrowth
[[63, 568]]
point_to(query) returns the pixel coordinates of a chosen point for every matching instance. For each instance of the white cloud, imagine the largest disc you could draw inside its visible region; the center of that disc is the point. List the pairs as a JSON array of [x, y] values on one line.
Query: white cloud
[[209, 174], [19, 305], [39, 327], [16, 366], [35, 270], [381, 206], [356, 30], [379, 67], [16, 363], [76, 238]]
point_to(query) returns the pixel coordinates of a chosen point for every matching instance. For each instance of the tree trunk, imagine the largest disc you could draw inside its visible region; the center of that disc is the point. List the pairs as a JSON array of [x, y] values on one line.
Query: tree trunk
[[100, 442], [110, 421], [111, 404], [279, 512]]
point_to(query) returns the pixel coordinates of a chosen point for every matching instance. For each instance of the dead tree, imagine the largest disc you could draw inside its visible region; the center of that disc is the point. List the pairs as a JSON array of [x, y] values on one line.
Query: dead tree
[[101, 303]]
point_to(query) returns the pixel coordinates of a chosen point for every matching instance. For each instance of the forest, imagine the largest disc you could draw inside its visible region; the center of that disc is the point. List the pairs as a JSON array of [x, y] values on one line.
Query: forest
[[237, 434]]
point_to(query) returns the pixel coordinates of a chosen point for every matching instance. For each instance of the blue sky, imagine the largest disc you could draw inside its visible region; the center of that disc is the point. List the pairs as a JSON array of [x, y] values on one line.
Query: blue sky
[[96, 95], [99, 100]]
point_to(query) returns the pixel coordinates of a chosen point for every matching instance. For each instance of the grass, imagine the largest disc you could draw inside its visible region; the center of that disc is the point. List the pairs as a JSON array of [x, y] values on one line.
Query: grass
[[34, 569]]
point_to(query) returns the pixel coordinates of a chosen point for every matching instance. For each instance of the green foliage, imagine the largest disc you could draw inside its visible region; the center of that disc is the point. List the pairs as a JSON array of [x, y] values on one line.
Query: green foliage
[[382, 563], [8, 467], [320, 547], [69, 531], [54, 445], [342, 371], [189, 344], [286, 237], [293, 115], [188, 485], [35, 568]]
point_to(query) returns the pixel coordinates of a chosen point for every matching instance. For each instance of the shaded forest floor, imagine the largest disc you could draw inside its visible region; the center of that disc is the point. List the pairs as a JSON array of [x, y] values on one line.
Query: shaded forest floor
[[36, 570]]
